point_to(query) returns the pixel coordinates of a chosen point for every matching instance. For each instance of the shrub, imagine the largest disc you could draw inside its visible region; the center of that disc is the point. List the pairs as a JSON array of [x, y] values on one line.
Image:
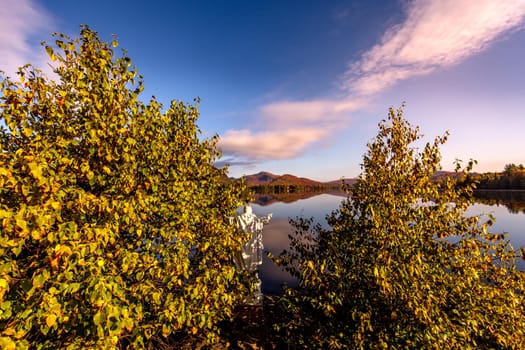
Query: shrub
[[113, 216], [402, 265]]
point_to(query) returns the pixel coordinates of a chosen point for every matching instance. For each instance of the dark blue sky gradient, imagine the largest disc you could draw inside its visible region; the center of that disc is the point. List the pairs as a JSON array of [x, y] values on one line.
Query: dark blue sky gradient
[[273, 76]]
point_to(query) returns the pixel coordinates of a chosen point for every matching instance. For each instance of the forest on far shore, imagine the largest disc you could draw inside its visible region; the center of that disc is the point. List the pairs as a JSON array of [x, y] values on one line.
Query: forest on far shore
[[512, 178]]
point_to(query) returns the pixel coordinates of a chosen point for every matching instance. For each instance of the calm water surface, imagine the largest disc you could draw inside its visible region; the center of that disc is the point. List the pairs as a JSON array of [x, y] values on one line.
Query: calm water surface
[[510, 217]]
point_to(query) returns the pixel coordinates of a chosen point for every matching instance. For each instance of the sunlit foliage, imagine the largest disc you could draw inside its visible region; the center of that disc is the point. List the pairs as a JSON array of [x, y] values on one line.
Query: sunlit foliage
[[112, 215], [403, 266]]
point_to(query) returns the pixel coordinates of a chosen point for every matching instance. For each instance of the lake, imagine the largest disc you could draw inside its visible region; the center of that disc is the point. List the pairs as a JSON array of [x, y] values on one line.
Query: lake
[[508, 207]]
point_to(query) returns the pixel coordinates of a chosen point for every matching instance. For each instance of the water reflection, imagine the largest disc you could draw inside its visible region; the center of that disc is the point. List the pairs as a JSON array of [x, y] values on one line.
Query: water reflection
[[507, 208], [513, 200], [275, 239], [275, 234], [265, 199]]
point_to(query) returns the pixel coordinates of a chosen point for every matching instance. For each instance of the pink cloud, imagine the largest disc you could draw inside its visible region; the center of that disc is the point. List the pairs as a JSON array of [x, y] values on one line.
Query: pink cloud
[[290, 127], [20, 20], [271, 144], [317, 112], [435, 34]]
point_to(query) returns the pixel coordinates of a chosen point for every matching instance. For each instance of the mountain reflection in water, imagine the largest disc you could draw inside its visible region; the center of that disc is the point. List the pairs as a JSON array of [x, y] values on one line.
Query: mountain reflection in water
[[508, 207], [265, 199]]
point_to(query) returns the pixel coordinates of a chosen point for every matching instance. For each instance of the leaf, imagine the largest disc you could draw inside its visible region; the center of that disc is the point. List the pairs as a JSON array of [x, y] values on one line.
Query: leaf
[[98, 318], [7, 343], [311, 265], [36, 171], [56, 205], [38, 281], [51, 320], [50, 53]]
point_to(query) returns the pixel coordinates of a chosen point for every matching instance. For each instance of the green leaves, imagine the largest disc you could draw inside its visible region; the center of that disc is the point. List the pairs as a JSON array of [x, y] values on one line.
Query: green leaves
[[112, 215]]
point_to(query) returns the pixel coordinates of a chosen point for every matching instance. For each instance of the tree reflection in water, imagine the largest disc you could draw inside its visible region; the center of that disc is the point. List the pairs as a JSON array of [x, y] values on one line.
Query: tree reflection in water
[[508, 207]]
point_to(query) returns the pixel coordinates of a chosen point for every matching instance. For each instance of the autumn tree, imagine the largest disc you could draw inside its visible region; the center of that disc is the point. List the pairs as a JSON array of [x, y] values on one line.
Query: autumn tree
[[511, 168], [112, 214], [402, 265]]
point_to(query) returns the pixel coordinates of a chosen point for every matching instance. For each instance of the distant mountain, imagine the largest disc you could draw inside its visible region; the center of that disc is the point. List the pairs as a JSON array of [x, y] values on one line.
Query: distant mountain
[[262, 178], [288, 179], [265, 178]]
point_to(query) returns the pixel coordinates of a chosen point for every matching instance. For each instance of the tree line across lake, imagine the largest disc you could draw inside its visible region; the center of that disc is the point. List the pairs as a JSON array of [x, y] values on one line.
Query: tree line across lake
[[115, 232], [512, 178]]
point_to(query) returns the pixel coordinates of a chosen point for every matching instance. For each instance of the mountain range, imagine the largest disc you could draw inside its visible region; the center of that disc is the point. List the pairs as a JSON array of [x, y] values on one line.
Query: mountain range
[[265, 178]]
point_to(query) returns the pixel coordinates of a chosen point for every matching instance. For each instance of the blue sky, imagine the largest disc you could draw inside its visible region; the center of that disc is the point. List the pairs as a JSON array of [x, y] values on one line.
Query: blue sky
[[299, 86]]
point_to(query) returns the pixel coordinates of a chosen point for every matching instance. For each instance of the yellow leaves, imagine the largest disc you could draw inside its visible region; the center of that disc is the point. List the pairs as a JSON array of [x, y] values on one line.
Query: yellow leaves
[[27, 132], [5, 217], [93, 134], [78, 208], [51, 320], [21, 225], [4, 172], [51, 53], [36, 171], [38, 280], [56, 205], [54, 262], [6, 343], [4, 287], [166, 330], [36, 235], [99, 302], [156, 298], [185, 235], [98, 318], [60, 251]]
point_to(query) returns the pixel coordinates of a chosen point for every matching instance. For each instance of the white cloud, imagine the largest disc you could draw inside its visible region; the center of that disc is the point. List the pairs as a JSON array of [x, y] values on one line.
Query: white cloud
[[20, 22], [435, 34]]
